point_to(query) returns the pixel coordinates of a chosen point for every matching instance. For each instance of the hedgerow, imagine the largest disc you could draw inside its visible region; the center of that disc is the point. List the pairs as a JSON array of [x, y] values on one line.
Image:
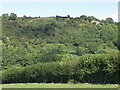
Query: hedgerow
[[99, 68]]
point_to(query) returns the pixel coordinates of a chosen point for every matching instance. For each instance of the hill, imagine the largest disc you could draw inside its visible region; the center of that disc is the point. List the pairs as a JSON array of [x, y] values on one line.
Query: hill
[[28, 41]]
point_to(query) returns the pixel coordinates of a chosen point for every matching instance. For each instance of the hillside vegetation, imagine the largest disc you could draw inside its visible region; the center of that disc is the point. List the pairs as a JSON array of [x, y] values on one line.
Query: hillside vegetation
[[60, 49]]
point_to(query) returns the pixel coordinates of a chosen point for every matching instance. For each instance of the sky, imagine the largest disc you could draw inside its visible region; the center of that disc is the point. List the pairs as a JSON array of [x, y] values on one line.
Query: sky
[[100, 10]]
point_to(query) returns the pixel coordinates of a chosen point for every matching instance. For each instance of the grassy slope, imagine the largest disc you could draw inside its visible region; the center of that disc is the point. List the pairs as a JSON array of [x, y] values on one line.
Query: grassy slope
[[37, 85]]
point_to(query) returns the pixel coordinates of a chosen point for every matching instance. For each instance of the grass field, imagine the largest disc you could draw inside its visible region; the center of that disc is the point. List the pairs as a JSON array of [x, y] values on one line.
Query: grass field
[[44, 85]]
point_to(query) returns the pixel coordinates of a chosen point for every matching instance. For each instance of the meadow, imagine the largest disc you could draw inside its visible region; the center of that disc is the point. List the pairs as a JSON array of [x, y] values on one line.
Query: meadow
[[59, 85]]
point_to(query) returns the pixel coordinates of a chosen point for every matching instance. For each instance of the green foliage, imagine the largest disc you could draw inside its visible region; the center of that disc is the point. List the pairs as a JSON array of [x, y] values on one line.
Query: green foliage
[[5, 16], [36, 37], [59, 49], [109, 20], [49, 57], [83, 17], [81, 51], [87, 68], [13, 16]]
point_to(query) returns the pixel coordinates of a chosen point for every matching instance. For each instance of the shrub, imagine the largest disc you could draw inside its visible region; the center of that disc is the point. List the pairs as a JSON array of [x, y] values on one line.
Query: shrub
[[88, 68]]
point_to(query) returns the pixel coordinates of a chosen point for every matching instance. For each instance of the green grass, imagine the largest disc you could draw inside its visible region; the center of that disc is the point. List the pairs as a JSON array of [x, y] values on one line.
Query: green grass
[[44, 85]]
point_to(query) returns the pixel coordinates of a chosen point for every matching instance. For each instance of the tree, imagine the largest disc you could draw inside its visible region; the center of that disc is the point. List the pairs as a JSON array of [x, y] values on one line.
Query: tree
[[76, 45], [83, 17], [109, 20], [5, 16], [91, 18], [13, 16], [68, 16], [25, 17], [49, 29]]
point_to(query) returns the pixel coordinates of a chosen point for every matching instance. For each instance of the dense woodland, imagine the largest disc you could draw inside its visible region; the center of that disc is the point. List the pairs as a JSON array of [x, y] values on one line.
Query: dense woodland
[[59, 49]]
